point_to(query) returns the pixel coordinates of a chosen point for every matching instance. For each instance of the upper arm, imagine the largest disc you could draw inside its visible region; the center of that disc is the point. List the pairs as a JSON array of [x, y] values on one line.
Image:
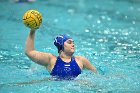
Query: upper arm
[[88, 65], [40, 57]]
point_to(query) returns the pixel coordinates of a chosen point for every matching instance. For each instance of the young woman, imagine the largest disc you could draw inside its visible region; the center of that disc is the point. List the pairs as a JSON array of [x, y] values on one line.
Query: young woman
[[65, 66]]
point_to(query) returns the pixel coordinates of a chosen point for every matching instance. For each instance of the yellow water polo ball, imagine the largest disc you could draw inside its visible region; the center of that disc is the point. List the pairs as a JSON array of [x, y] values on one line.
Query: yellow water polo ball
[[32, 19]]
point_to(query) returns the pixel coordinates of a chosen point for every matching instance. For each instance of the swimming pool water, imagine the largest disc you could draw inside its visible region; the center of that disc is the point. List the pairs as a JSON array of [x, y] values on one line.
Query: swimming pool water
[[105, 31]]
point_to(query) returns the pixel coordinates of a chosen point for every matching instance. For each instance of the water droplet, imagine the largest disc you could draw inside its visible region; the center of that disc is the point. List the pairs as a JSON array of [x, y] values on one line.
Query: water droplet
[[90, 16], [117, 12], [55, 20], [100, 40], [98, 21], [106, 31], [133, 22], [131, 8], [93, 25], [103, 17], [86, 30], [118, 43], [71, 11], [126, 17], [109, 19]]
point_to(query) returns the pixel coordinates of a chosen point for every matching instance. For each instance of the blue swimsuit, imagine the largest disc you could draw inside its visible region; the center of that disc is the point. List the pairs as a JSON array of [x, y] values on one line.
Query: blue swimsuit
[[65, 71]]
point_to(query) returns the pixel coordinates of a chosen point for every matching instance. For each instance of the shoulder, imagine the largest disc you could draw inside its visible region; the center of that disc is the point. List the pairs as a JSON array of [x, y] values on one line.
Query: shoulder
[[49, 57], [80, 57], [52, 57], [86, 63]]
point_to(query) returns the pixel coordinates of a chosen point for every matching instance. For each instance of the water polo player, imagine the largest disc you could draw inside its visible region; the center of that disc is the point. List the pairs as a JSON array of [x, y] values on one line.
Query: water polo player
[[65, 66]]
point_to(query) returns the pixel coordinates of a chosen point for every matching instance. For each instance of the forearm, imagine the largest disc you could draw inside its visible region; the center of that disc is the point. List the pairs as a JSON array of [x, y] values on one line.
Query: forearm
[[91, 67], [30, 42], [94, 69]]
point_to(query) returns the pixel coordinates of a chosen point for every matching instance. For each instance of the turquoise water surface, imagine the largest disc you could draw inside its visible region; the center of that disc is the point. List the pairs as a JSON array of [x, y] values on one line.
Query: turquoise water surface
[[107, 32]]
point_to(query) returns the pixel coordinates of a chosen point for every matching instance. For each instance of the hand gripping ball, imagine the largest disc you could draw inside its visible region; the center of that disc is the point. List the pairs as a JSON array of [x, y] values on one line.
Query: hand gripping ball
[[32, 19]]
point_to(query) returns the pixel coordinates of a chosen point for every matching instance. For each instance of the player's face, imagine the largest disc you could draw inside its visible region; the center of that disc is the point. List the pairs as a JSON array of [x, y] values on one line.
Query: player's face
[[69, 46]]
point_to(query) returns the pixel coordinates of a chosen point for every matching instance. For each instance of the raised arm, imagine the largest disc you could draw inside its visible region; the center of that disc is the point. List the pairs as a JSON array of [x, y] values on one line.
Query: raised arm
[[36, 56]]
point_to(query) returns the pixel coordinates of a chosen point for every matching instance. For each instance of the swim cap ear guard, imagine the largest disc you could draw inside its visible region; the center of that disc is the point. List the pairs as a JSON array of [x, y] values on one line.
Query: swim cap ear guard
[[59, 41]]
